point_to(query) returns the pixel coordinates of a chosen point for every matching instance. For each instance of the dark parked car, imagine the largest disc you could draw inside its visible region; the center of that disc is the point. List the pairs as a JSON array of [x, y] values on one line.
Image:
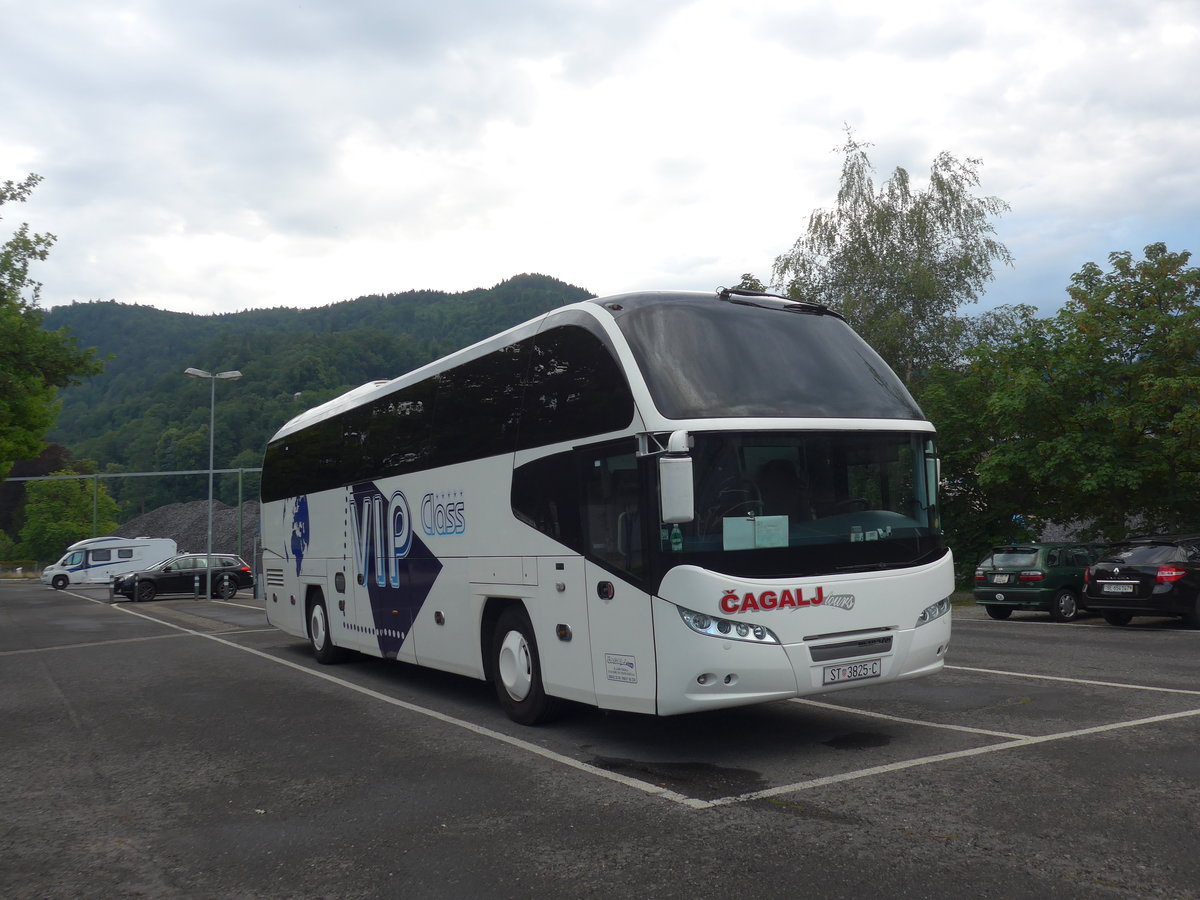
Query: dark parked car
[[1147, 576], [1034, 576], [179, 574]]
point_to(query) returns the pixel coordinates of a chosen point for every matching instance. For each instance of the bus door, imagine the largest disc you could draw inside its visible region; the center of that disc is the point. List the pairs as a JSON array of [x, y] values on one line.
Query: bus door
[[619, 612], [564, 638]]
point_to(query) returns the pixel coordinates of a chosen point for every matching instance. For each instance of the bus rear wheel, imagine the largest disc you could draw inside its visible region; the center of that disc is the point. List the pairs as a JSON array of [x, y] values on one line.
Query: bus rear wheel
[[517, 671], [318, 632]]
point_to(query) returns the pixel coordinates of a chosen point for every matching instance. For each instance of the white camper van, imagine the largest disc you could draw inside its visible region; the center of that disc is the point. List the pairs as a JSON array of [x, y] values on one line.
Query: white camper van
[[97, 560]]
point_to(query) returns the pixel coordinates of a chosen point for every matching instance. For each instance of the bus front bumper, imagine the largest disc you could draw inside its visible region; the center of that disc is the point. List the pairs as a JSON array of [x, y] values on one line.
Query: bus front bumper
[[697, 671]]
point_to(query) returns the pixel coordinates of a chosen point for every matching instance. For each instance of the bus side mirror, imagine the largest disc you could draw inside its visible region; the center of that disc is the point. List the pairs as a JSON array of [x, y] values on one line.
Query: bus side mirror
[[676, 494]]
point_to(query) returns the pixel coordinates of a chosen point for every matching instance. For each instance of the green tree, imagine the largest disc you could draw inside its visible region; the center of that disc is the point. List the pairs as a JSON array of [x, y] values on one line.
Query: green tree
[[898, 262], [750, 283], [34, 363], [977, 515], [1092, 415], [8, 547], [60, 512]]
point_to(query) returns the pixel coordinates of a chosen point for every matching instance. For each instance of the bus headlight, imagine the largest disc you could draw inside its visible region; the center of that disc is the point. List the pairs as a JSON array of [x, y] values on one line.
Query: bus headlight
[[936, 611], [702, 623]]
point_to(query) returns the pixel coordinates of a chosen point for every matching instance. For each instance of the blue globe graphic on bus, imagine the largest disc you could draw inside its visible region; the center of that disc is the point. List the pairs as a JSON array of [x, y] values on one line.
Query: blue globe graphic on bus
[[300, 531]]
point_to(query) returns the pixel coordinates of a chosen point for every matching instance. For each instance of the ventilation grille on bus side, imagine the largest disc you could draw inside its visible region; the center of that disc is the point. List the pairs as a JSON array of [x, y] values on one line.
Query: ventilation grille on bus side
[[274, 577]]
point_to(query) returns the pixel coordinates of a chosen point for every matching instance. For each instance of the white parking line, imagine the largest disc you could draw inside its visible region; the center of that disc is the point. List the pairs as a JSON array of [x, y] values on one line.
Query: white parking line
[[1088, 681], [943, 757], [136, 640], [921, 722], [692, 802], [239, 605]]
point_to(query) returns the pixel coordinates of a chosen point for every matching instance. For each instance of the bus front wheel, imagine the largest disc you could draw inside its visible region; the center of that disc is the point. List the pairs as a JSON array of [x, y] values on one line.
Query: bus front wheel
[[60, 582], [517, 670]]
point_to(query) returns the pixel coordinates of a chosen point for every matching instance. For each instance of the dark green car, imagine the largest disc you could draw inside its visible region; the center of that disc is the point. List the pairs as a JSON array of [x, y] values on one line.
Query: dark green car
[[1034, 576]]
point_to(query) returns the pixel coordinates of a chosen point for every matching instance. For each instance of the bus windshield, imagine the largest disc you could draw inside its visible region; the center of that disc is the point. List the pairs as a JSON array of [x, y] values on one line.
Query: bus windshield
[[704, 358], [776, 504]]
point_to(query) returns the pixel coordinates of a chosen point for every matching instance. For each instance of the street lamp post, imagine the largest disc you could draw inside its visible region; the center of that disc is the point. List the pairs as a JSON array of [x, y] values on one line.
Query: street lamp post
[[212, 418]]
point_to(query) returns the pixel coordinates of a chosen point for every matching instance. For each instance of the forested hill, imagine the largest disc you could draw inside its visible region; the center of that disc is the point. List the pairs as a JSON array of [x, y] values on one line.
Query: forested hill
[[143, 414]]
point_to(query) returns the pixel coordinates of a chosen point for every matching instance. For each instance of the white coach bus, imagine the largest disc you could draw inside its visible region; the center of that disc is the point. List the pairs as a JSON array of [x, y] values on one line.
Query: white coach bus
[[654, 502]]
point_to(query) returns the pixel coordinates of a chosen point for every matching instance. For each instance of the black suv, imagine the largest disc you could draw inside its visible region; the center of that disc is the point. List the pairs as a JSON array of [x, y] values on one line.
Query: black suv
[[182, 574], [1034, 576], [1147, 576]]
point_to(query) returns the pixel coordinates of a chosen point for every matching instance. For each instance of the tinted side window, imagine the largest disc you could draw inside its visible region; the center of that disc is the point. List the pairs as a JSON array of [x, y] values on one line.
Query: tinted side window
[[546, 496], [567, 377], [477, 406], [588, 500], [101, 556], [309, 460], [574, 389], [125, 554], [612, 517], [391, 435]]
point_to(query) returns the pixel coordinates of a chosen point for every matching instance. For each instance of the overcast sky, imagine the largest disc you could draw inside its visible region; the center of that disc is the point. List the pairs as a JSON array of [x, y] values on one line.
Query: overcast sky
[[217, 155]]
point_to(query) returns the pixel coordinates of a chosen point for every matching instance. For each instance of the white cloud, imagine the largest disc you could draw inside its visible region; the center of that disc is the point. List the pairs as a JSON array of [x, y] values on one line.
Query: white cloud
[[215, 156]]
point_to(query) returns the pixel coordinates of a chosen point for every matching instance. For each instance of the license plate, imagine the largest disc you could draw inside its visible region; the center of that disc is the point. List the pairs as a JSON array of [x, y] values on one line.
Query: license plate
[[868, 668], [1118, 589], [999, 579]]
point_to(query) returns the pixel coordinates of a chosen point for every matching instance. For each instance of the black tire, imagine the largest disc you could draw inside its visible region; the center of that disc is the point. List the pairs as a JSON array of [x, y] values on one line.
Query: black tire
[[1065, 606], [517, 670], [225, 587], [318, 633], [1118, 618], [998, 612], [146, 590], [60, 582]]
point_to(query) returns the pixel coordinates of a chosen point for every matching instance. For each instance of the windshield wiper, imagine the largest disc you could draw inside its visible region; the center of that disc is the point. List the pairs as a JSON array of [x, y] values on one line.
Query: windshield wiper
[[880, 565], [869, 567], [776, 302]]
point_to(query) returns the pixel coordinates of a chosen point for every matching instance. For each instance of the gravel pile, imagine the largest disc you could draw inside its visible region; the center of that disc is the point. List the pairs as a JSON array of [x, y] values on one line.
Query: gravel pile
[[187, 525]]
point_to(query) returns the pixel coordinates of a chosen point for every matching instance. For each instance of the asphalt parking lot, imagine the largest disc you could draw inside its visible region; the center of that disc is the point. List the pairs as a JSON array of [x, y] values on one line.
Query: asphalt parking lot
[[184, 748]]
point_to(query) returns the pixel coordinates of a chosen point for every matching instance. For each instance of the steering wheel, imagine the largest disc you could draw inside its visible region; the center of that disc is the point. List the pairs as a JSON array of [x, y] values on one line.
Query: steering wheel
[[851, 503], [735, 497]]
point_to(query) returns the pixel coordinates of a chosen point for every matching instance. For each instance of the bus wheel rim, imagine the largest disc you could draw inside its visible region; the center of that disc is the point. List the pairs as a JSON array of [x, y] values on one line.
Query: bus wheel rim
[[318, 626], [515, 665]]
